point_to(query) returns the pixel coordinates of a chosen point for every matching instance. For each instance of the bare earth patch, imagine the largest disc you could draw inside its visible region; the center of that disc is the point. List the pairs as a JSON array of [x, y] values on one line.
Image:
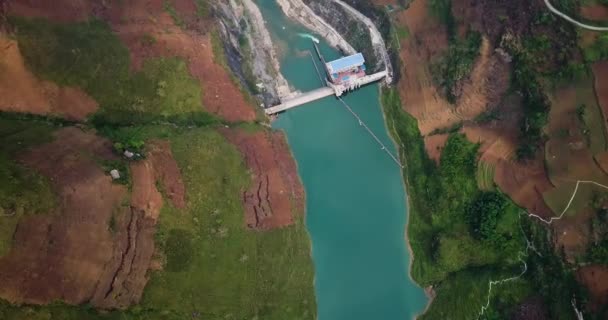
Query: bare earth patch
[[276, 192], [488, 80], [596, 11], [21, 91], [57, 10], [434, 145], [600, 72], [572, 234], [595, 278], [97, 247]]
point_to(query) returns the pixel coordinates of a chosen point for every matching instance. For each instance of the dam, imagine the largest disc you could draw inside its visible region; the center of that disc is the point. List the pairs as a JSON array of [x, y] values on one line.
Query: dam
[[341, 75]]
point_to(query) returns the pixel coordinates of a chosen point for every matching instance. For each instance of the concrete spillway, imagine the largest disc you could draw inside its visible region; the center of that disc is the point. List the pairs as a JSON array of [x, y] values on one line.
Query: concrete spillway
[[321, 93], [301, 99]]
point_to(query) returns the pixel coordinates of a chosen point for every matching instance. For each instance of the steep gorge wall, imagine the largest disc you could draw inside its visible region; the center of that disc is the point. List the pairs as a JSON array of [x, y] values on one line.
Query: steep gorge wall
[[343, 27], [249, 50], [299, 11]]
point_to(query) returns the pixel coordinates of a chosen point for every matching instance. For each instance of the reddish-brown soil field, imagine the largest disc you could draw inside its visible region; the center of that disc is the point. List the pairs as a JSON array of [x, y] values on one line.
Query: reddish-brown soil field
[[132, 20], [21, 91], [597, 12], [600, 72], [428, 39], [488, 81], [571, 234], [524, 182], [276, 192], [595, 278], [125, 276], [58, 10], [74, 254]]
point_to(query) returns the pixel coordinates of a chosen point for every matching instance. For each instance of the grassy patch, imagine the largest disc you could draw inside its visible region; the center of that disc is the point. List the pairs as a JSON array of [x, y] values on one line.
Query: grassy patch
[[22, 190], [90, 56], [170, 9], [202, 8], [439, 196], [442, 10], [233, 271], [178, 249], [402, 31]]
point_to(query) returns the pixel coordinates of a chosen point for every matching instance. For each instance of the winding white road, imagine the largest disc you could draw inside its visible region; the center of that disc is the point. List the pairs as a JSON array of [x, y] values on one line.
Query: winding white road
[[571, 20]]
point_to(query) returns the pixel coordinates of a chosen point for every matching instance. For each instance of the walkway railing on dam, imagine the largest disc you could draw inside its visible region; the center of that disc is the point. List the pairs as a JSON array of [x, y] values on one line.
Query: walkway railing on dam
[[301, 99], [321, 93]]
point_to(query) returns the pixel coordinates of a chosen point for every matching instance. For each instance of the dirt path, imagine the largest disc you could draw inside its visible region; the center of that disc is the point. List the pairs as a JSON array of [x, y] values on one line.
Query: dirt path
[[276, 192]]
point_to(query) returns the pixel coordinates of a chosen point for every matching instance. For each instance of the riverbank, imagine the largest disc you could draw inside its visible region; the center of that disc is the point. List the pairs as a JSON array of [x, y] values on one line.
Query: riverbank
[[300, 12]]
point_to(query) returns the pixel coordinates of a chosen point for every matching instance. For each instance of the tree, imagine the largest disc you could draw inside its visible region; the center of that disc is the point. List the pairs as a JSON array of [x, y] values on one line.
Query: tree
[[483, 215]]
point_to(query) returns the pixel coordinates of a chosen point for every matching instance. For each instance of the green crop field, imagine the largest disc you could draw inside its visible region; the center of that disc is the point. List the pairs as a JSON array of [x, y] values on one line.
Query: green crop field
[[485, 176]]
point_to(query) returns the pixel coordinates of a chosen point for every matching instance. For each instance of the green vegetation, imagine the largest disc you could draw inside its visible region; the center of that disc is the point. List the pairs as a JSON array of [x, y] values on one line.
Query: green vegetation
[[202, 8], [22, 191], [486, 219], [178, 249], [170, 9], [456, 64], [439, 199], [90, 56], [442, 10], [455, 241], [535, 103], [550, 277], [215, 267], [598, 253], [232, 270], [402, 31], [463, 294]]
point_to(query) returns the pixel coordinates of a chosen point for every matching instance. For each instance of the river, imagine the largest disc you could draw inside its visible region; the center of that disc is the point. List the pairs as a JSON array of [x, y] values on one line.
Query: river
[[356, 209]]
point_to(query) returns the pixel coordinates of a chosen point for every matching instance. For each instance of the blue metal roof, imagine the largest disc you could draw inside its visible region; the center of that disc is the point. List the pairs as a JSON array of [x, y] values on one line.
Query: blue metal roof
[[345, 63]]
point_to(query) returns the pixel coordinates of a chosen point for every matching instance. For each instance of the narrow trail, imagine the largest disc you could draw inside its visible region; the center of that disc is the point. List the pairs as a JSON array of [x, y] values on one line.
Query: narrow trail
[[529, 246], [361, 123], [572, 20]]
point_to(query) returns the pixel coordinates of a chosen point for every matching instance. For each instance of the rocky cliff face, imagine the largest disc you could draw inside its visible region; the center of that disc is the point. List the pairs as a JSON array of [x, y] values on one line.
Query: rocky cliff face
[[353, 30], [249, 50]]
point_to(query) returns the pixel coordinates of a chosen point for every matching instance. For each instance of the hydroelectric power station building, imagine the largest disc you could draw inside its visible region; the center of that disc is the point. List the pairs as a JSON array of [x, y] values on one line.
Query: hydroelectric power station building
[[346, 70]]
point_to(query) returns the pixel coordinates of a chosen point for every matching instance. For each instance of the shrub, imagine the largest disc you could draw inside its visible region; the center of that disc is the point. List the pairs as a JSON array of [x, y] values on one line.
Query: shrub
[[456, 64]]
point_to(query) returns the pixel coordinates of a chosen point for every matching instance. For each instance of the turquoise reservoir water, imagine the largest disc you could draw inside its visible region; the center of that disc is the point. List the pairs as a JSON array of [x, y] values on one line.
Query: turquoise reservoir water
[[356, 211]]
